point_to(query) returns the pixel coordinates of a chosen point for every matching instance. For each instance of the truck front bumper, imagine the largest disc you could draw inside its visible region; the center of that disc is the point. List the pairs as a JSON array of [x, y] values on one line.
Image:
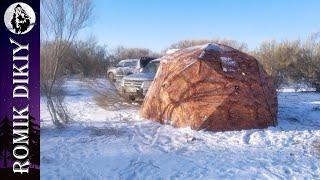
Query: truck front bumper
[[133, 93]]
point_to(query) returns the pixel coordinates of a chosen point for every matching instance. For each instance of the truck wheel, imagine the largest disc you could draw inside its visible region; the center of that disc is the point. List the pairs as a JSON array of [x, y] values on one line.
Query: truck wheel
[[111, 77], [128, 98]]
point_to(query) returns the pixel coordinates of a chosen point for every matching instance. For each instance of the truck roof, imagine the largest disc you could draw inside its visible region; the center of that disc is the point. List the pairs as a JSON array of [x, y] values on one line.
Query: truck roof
[[129, 60], [156, 60]]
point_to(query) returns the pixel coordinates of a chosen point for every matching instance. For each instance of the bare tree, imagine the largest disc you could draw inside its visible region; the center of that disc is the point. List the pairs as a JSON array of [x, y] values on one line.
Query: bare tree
[[61, 20], [86, 58], [292, 61], [309, 65], [279, 59]]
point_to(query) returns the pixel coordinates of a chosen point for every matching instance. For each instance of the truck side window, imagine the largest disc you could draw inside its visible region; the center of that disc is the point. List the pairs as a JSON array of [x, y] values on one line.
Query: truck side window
[[120, 64], [130, 64]]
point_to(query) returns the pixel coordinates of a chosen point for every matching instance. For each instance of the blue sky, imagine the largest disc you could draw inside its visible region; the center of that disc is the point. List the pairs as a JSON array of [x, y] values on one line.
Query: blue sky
[[156, 24]]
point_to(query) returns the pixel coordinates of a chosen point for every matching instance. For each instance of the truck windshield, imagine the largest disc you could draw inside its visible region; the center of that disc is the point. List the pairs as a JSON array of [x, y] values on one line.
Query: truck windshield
[[152, 67], [130, 63]]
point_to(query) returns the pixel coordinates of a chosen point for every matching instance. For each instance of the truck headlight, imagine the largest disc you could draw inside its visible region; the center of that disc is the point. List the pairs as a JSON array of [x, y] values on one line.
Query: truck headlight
[[146, 84]]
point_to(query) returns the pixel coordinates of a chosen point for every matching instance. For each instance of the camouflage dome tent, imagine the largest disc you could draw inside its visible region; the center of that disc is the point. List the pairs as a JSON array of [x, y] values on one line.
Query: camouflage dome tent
[[212, 87]]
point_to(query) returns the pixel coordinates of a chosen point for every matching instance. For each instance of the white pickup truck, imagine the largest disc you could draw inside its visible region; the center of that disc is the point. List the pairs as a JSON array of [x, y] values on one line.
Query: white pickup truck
[[135, 86], [126, 67]]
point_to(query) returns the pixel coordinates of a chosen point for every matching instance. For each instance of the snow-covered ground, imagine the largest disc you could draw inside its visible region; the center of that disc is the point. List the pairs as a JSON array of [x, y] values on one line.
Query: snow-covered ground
[[296, 87], [103, 143]]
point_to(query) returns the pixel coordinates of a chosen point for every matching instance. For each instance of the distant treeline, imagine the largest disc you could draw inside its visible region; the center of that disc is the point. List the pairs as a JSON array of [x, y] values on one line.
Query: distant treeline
[[292, 61], [287, 61], [89, 59]]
